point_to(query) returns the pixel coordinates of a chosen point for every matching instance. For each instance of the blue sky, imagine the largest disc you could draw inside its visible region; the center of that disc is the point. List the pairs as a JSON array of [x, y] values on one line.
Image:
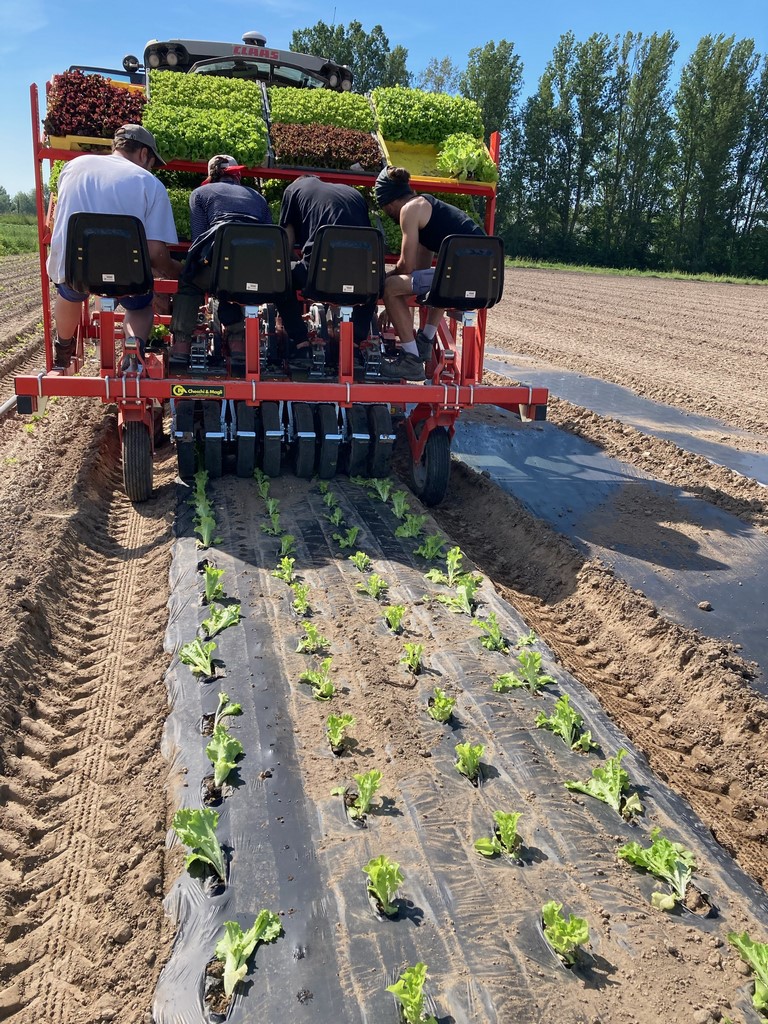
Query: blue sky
[[39, 38]]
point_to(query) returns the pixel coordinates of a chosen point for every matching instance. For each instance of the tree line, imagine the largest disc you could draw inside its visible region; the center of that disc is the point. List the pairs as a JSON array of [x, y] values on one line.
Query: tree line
[[610, 161]]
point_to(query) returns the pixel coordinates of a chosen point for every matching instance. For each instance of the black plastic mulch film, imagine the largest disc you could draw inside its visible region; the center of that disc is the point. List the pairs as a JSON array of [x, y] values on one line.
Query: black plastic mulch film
[[486, 956]]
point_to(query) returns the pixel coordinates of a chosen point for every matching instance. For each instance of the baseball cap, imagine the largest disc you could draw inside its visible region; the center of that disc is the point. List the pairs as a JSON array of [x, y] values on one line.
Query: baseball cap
[[222, 163], [139, 134]]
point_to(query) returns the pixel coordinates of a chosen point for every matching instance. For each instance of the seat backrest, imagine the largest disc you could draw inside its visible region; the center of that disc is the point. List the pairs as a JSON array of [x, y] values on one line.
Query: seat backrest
[[250, 264], [107, 255], [469, 273], [346, 266]]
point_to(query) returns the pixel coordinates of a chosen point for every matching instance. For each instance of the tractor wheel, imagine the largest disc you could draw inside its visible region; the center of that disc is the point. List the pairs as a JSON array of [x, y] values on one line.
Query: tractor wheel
[[359, 441], [380, 423], [430, 475], [329, 434], [271, 438], [246, 439], [304, 440], [213, 445], [185, 449], [137, 461]]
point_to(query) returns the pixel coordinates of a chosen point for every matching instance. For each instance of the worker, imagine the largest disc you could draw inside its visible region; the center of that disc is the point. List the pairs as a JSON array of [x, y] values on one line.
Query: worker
[[222, 198], [307, 205], [119, 183], [424, 222]]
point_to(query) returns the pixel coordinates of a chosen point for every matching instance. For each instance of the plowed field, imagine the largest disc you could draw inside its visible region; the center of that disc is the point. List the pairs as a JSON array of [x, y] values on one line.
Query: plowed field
[[88, 795]]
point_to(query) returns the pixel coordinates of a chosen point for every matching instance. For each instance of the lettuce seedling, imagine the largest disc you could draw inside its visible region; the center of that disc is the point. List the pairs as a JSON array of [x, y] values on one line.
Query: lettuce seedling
[[409, 992], [393, 616], [199, 656], [493, 640], [348, 539], [336, 518], [206, 528], [412, 527], [284, 570], [528, 639], [564, 937], [528, 676], [566, 722], [336, 727], [320, 680], [300, 598], [287, 545], [384, 879], [222, 752], [610, 783], [197, 830], [262, 482], [412, 657], [220, 618], [453, 562], [431, 547], [323, 486], [671, 862], [214, 590], [361, 561], [236, 946], [225, 709], [756, 955], [367, 785], [374, 586], [505, 838], [272, 506], [312, 642], [400, 505], [330, 500], [381, 488], [468, 762], [273, 528], [441, 707], [464, 602]]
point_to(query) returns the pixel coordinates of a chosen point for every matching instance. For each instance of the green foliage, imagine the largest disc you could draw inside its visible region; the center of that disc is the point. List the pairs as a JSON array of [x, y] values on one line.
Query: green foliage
[[409, 115], [336, 727], [400, 506], [384, 879], [300, 598], [412, 527], [412, 657], [221, 618], [756, 955], [223, 752], [610, 783], [505, 838], [409, 992], [367, 53], [382, 488], [236, 946], [564, 937], [393, 616], [312, 642], [493, 639], [368, 784], [336, 517], [464, 600], [320, 680], [528, 675], [361, 561], [374, 586], [464, 157], [527, 640], [214, 589], [431, 547], [441, 707], [18, 234], [225, 709], [287, 545], [348, 539], [320, 106], [199, 656], [454, 572], [284, 570], [566, 722], [671, 862], [468, 759], [272, 528], [197, 830]]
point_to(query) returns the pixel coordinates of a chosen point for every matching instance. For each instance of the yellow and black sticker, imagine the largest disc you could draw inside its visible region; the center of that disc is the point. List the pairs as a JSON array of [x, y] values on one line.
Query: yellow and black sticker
[[197, 391]]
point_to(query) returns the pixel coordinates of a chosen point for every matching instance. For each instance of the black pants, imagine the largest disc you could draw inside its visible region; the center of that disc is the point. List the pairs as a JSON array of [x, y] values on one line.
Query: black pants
[[291, 310]]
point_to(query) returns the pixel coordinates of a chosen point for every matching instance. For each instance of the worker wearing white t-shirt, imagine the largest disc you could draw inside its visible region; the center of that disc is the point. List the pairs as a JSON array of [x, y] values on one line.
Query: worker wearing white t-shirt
[[120, 183]]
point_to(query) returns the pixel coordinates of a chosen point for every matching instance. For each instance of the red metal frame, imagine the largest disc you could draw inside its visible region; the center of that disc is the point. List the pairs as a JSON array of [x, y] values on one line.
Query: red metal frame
[[454, 374]]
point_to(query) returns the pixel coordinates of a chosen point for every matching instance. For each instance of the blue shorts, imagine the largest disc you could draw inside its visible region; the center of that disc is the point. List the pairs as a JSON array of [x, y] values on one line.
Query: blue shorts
[[127, 301], [421, 280]]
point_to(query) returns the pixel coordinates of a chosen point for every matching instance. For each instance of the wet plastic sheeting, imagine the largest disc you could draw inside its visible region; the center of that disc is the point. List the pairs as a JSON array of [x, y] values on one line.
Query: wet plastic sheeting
[[684, 550], [487, 959]]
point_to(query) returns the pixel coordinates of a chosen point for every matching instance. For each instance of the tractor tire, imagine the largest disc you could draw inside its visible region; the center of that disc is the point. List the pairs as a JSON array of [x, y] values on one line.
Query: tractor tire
[[271, 438], [430, 475], [137, 461], [356, 461], [246, 446], [380, 449], [304, 440], [329, 437], [212, 445]]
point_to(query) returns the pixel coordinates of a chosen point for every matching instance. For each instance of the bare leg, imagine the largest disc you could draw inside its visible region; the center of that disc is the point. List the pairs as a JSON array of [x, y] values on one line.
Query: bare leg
[[138, 322], [397, 289]]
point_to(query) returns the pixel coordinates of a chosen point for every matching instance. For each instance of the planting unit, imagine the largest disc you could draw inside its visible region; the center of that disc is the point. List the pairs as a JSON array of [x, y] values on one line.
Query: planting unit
[[329, 416]]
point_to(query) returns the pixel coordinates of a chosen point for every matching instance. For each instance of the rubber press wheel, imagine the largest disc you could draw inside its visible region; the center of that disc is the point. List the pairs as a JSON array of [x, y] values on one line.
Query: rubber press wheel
[[185, 449], [380, 424], [304, 440], [213, 445], [246, 445], [137, 461], [271, 438], [329, 434], [359, 441], [430, 475]]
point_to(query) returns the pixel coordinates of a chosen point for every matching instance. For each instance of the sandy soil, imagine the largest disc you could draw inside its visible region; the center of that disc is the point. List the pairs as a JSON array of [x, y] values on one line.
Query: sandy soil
[[82, 704]]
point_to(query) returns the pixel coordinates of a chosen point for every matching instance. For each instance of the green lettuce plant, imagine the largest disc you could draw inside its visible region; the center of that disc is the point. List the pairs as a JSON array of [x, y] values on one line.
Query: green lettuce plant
[[220, 619], [382, 488], [409, 992], [287, 545], [493, 639], [505, 838], [236, 946], [368, 784], [225, 709], [400, 506], [468, 759], [384, 879], [336, 517], [671, 862], [197, 830], [199, 656], [528, 676], [336, 727], [284, 570], [393, 616], [223, 752], [348, 539], [214, 590], [374, 586], [206, 528], [565, 937], [360, 561], [610, 783], [412, 657], [300, 602], [313, 641], [441, 707], [431, 547], [413, 526], [320, 680], [463, 602], [756, 955], [567, 723]]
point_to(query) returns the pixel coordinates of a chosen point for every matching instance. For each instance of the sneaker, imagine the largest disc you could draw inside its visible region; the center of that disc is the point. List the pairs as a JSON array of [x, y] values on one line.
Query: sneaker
[[425, 346], [63, 351], [405, 367]]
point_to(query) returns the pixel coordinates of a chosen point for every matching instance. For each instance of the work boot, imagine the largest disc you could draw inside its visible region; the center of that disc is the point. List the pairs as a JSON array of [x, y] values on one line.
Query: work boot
[[405, 367], [63, 352], [425, 346], [179, 350]]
